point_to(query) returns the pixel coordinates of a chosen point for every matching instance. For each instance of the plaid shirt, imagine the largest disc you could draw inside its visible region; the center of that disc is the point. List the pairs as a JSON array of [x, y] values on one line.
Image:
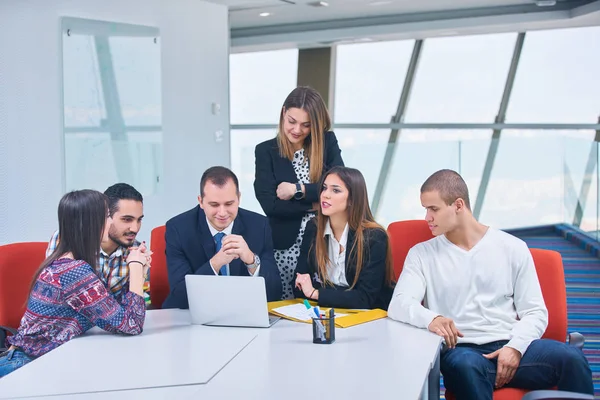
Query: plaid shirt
[[112, 269]]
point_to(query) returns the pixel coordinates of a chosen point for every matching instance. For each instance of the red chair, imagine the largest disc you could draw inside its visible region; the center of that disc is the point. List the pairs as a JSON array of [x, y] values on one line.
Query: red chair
[[159, 281], [550, 270], [18, 263], [403, 236]]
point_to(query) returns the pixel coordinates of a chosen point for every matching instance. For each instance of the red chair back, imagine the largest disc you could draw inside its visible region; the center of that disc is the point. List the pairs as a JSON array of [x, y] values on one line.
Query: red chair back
[[159, 280], [551, 274], [403, 236], [18, 263]]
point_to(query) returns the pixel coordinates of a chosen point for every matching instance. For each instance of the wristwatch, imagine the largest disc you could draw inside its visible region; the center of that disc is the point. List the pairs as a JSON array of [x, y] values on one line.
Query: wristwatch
[[298, 195], [256, 262]]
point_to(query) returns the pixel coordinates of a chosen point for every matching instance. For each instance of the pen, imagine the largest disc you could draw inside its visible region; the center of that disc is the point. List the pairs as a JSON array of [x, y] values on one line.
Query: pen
[[317, 311], [320, 327], [309, 307], [307, 304]]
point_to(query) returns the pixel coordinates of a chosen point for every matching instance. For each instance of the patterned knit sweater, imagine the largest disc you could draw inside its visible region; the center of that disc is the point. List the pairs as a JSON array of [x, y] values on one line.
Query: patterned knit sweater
[[67, 300]]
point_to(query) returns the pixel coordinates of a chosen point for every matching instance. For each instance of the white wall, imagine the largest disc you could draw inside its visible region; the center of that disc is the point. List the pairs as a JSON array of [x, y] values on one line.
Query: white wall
[[195, 48]]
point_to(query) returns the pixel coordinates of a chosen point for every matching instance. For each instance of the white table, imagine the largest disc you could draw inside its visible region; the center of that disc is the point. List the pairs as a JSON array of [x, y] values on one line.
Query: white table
[[381, 359], [170, 352]]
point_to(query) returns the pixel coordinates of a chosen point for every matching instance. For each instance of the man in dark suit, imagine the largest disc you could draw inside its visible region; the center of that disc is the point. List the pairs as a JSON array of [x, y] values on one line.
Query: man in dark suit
[[219, 238]]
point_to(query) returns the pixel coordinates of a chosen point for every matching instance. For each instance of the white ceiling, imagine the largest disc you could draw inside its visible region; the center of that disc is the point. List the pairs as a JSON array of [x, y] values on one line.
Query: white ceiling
[[298, 23], [245, 13]]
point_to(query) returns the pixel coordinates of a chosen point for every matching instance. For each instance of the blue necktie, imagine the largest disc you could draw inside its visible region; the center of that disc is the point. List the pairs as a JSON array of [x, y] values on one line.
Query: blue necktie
[[219, 242]]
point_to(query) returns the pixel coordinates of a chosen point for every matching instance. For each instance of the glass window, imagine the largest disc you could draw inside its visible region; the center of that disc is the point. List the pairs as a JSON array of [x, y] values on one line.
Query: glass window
[[523, 193], [580, 179], [369, 79], [557, 80], [460, 79], [112, 105], [243, 142], [420, 153], [364, 150], [259, 83]]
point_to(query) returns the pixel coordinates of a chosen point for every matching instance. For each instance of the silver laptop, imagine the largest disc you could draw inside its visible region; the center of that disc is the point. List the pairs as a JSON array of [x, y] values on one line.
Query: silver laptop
[[228, 301]]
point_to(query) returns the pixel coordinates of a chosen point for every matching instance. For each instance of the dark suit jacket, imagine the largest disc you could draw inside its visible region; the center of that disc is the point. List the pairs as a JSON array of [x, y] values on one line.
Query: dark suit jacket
[[285, 216], [370, 290], [190, 246]]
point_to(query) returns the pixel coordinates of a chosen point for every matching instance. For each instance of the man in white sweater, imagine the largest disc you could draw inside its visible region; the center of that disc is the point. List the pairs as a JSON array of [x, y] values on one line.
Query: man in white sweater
[[482, 294]]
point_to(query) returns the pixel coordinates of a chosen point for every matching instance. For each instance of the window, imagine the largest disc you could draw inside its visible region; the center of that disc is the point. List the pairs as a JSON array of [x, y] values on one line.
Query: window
[[557, 80], [369, 79], [259, 83], [460, 79]]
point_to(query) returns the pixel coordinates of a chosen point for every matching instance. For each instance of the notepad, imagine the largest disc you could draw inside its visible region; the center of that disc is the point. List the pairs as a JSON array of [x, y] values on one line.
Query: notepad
[[294, 311], [298, 312]]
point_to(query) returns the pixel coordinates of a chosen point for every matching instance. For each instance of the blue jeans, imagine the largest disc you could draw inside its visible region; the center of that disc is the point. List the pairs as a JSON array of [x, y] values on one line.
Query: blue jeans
[[545, 364], [11, 360]]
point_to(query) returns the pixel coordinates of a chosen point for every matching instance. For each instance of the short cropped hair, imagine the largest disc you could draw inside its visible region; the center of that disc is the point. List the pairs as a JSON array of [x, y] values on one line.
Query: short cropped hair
[[121, 191], [450, 185], [219, 176]]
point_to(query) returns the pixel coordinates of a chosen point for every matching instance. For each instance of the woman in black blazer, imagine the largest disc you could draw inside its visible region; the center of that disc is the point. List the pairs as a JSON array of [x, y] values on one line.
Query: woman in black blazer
[[288, 169], [346, 258]]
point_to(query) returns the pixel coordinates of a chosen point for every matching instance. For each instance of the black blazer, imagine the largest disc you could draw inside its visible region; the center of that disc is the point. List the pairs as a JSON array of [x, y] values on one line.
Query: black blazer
[[285, 216], [370, 290], [190, 246]]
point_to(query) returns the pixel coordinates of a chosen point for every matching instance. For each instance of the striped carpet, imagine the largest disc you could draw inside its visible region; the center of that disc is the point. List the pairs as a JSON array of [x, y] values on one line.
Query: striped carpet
[[582, 274]]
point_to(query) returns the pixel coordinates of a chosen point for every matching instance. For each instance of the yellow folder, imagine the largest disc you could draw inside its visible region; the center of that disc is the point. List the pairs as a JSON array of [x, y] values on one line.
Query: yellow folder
[[354, 317]]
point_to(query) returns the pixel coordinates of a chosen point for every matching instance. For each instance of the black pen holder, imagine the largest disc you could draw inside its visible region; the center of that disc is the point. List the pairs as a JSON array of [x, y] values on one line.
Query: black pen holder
[[323, 330]]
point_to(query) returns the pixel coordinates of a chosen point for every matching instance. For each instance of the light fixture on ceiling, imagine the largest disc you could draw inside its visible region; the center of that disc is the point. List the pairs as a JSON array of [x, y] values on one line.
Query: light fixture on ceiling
[[379, 3], [264, 14], [545, 3], [318, 4], [445, 33]]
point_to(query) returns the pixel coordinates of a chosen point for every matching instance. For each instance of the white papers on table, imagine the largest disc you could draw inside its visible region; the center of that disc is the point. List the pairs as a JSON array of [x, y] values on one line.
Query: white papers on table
[[299, 311]]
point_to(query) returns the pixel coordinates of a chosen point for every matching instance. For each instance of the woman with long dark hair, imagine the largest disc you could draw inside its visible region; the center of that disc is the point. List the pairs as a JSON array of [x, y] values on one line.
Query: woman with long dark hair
[[67, 298], [288, 170], [346, 258]]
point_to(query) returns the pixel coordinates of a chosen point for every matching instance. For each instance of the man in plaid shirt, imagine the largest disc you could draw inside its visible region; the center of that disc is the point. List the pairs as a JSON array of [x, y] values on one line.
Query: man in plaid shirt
[[125, 205]]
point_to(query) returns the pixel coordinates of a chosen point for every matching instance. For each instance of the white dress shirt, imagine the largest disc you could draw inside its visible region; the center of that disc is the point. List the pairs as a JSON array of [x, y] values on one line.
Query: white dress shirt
[[336, 269], [227, 231], [491, 292]]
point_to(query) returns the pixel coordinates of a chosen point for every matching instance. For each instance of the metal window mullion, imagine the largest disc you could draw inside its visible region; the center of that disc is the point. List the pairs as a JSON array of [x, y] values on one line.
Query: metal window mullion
[[439, 126], [500, 117], [587, 180], [398, 117]]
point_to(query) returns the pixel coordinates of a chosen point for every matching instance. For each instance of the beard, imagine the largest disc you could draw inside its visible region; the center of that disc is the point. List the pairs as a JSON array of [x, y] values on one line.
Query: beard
[[119, 239]]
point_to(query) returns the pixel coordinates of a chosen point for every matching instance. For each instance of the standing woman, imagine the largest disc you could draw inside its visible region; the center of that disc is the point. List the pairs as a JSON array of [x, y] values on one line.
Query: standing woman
[[346, 257], [288, 171], [67, 298]]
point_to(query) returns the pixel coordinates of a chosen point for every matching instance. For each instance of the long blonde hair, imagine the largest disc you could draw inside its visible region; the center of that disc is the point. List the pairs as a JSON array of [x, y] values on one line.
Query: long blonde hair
[[360, 218], [309, 100]]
